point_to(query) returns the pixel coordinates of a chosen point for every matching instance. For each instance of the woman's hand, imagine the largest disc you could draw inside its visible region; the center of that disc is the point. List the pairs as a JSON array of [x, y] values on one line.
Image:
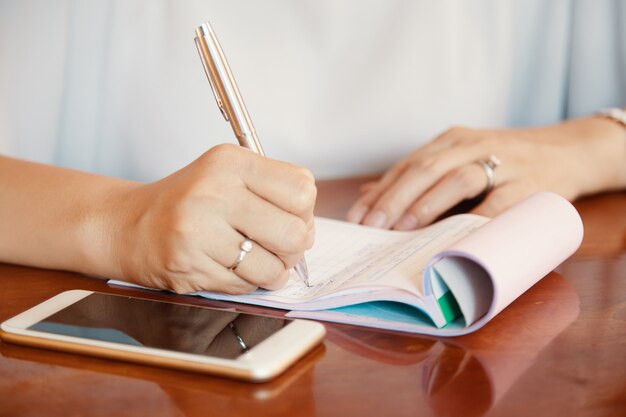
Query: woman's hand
[[183, 232], [574, 158]]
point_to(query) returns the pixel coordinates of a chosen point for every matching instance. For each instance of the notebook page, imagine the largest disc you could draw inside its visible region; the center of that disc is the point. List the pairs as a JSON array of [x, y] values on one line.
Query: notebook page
[[343, 255], [349, 258], [415, 255], [380, 257]]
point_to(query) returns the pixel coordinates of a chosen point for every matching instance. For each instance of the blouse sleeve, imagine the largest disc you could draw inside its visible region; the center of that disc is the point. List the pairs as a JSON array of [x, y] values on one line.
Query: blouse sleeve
[[597, 70]]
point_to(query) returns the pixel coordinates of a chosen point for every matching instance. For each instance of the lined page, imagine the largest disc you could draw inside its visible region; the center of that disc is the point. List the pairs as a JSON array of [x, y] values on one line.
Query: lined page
[[349, 257], [344, 255], [408, 271]]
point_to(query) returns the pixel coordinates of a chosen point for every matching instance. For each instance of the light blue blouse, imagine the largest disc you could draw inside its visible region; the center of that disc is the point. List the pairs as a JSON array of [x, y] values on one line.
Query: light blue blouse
[[341, 87]]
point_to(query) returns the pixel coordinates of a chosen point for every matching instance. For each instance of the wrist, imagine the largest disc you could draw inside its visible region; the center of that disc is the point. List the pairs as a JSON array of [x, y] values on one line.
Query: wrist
[[611, 136], [101, 232]]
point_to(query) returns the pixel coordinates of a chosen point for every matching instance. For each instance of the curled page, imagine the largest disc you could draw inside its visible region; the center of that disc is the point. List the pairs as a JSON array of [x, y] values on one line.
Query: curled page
[[515, 250]]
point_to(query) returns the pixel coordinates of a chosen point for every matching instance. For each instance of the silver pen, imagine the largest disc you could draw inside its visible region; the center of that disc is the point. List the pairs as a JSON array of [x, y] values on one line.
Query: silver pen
[[230, 102]]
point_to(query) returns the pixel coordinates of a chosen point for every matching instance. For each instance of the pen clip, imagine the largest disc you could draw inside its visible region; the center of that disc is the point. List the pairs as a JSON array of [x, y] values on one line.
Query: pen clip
[[202, 48]]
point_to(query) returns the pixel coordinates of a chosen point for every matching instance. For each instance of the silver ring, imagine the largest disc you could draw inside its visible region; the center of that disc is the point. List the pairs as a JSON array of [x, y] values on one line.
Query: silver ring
[[489, 167], [244, 248], [242, 344]]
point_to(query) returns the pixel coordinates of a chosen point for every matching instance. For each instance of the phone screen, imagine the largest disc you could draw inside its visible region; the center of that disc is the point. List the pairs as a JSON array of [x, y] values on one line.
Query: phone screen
[[162, 325]]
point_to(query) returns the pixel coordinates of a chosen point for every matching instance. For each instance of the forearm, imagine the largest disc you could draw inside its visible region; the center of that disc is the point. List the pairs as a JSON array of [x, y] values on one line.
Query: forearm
[[179, 233], [602, 153], [52, 217]]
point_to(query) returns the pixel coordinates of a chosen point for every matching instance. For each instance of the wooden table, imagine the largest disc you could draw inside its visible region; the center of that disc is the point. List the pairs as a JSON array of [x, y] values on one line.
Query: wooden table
[[559, 350]]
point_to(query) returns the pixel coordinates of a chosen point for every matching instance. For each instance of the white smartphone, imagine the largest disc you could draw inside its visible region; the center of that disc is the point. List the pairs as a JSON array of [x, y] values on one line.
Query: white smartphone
[[193, 338]]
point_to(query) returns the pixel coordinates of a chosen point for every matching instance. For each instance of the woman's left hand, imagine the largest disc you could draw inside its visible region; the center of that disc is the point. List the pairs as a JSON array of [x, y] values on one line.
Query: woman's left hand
[[577, 157]]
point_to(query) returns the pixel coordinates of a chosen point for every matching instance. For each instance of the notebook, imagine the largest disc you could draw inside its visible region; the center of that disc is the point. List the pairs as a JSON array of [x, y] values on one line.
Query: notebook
[[447, 279]]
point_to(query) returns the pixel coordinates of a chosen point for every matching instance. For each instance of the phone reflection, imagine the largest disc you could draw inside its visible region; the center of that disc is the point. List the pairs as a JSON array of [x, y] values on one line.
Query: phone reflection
[[91, 383], [468, 375], [178, 327], [119, 388]]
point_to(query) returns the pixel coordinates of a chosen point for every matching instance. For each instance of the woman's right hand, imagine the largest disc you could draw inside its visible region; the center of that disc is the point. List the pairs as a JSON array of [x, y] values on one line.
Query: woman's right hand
[[182, 233]]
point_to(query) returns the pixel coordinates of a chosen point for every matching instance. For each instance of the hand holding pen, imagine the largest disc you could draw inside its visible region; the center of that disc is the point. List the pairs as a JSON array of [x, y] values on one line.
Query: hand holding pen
[[233, 109]]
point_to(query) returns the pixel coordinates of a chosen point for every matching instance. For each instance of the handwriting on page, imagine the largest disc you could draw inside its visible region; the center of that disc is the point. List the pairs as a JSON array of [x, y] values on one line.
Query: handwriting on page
[[347, 256]]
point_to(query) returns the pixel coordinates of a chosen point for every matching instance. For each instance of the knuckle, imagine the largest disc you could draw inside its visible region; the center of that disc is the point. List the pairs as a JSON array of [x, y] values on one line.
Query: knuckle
[[265, 274], [239, 287], [457, 130], [390, 203], [222, 154], [429, 166], [310, 237], [176, 262], [294, 236], [272, 277], [484, 140], [487, 209], [223, 150], [306, 174], [292, 260], [500, 202], [180, 287], [461, 178], [423, 211], [369, 198], [174, 259], [281, 279], [160, 280], [385, 205], [306, 191], [173, 240]]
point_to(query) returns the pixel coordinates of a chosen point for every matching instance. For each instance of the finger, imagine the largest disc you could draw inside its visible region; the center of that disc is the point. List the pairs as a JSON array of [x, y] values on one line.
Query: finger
[[284, 234], [262, 268], [287, 186], [463, 183], [256, 328], [446, 140], [259, 267], [415, 181], [224, 343], [363, 204], [205, 275], [501, 199], [368, 186]]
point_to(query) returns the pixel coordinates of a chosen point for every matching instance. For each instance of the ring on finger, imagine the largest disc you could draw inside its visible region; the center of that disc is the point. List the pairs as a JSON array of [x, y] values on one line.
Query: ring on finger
[[244, 248], [489, 166]]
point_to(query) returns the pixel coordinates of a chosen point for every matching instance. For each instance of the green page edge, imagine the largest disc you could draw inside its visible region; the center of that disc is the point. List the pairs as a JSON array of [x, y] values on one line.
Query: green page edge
[[449, 307]]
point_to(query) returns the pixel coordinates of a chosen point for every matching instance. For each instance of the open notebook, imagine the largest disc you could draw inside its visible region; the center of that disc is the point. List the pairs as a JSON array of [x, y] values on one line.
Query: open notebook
[[447, 279]]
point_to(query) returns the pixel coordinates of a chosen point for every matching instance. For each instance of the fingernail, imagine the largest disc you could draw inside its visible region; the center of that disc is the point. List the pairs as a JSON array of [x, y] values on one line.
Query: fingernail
[[356, 213], [375, 219], [406, 222]]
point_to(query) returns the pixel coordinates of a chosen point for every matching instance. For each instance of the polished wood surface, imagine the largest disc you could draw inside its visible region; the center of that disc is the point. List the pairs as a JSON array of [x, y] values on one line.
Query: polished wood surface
[[560, 349]]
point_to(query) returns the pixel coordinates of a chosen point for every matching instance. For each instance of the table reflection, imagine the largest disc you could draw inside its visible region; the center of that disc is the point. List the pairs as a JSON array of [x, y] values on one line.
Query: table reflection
[[104, 386], [468, 375], [465, 376]]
